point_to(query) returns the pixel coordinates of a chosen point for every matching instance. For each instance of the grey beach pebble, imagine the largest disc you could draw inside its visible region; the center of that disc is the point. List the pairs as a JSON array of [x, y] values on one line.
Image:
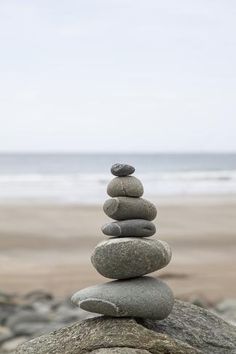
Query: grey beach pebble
[[122, 170], [128, 186], [133, 227], [129, 257], [143, 297], [122, 208]]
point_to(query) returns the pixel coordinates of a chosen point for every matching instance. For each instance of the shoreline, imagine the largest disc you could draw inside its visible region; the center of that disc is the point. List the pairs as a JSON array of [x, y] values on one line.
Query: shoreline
[[163, 199]]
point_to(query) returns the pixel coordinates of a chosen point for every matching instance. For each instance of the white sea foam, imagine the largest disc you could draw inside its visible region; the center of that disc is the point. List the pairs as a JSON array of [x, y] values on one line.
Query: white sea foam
[[91, 188]]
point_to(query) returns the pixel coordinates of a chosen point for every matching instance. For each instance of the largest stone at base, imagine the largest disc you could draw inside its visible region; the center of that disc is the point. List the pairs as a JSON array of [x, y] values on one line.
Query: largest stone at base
[[188, 330], [143, 297]]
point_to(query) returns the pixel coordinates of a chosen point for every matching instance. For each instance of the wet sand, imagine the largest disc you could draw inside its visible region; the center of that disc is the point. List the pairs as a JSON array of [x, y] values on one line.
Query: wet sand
[[49, 246]]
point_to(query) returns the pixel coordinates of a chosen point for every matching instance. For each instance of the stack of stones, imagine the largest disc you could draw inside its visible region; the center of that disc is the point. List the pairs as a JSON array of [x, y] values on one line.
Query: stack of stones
[[128, 255]]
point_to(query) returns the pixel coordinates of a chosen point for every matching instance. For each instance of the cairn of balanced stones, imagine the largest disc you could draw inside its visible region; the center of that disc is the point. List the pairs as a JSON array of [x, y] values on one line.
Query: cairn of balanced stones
[[128, 255]]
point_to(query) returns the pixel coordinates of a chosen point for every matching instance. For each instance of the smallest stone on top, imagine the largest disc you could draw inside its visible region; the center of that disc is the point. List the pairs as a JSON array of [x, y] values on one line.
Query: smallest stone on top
[[128, 256], [122, 170]]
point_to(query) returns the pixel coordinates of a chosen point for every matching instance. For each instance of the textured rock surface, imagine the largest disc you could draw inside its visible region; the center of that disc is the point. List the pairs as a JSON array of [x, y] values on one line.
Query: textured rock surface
[[121, 169], [129, 257], [124, 350], [122, 208], [188, 330], [129, 186], [198, 327], [133, 227], [144, 297]]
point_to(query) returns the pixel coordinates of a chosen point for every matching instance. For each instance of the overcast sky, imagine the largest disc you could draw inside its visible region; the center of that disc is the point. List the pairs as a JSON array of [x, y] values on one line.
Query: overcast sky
[[118, 75]]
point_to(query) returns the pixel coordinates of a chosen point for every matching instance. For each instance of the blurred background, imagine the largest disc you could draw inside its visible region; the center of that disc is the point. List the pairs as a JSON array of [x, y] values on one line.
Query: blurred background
[[86, 84]]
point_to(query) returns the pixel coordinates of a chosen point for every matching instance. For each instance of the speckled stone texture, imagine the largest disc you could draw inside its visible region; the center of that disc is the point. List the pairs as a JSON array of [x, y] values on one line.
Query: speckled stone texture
[[128, 186], [188, 329], [121, 350], [133, 227], [123, 208], [122, 170], [129, 257], [143, 297]]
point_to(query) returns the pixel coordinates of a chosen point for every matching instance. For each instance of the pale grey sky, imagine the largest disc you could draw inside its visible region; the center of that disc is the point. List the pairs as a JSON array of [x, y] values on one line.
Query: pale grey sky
[[118, 75]]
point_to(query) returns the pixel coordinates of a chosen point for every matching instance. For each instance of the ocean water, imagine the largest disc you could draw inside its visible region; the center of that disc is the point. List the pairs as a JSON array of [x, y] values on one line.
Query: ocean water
[[82, 178]]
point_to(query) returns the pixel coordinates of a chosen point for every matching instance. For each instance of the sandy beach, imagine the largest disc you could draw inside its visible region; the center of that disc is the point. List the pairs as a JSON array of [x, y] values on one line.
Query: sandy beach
[[48, 246]]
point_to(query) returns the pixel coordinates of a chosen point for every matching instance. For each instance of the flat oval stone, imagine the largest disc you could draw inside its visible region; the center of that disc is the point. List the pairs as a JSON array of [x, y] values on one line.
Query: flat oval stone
[[128, 186], [122, 208], [143, 297], [122, 170], [130, 257], [133, 227]]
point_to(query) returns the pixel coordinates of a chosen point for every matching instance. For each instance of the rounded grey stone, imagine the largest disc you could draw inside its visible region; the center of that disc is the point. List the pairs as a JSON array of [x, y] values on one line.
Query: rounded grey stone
[[144, 297], [123, 208], [133, 227], [123, 258], [128, 186], [122, 170]]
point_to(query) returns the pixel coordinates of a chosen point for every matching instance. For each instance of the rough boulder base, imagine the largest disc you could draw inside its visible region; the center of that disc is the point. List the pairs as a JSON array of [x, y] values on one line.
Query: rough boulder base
[[188, 330], [120, 351]]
